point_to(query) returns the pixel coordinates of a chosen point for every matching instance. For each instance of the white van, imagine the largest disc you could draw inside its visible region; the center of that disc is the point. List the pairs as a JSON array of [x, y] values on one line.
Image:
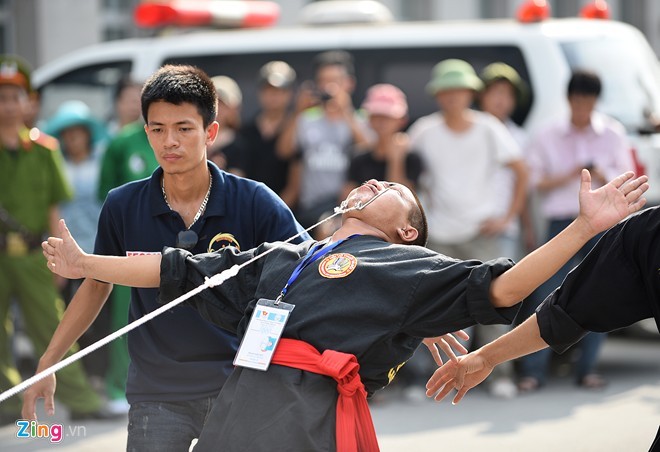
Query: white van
[[544, 53]]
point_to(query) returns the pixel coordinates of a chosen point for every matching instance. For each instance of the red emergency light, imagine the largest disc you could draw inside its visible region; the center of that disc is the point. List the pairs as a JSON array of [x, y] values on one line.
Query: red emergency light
[[533, 11], [196, 13], [596, 10]]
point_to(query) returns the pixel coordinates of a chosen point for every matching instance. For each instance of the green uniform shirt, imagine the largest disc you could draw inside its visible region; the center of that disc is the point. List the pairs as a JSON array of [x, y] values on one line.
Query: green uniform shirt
[[32, 179], [129, 157]]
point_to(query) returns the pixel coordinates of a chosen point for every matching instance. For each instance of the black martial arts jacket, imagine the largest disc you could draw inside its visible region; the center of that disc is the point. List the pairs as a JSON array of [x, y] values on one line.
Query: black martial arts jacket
[[368, 297]]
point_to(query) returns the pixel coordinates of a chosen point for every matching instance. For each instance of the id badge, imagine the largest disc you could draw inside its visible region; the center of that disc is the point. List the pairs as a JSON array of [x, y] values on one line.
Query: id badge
[[263, 333]]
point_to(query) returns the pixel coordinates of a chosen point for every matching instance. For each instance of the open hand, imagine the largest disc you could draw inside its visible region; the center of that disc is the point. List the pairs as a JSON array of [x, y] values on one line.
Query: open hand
[[64, 255], [462, 374], [42, 389], [603, 208], [446, 342]]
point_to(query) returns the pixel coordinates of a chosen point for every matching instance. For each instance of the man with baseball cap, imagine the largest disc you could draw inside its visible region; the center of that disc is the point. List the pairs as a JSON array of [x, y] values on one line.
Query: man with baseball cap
[[32, 184], [461, 148], [275, 84], [277, 74]]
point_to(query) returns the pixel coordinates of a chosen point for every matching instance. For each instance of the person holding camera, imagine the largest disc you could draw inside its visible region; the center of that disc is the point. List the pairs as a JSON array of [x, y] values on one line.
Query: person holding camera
[[556, 156], [322, 133]]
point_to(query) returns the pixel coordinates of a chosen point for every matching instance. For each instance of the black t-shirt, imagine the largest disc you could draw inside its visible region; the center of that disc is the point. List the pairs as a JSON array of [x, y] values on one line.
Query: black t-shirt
[[236, 154], [262, 163], [616, 285], [365, 166]]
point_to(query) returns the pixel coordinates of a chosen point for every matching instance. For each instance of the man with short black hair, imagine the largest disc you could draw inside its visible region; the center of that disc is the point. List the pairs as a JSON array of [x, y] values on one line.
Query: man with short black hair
[[179, 362], [556, 155]]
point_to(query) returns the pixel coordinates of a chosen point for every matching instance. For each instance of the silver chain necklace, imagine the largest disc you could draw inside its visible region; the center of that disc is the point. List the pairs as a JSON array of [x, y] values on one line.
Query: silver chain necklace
[[202, 206]]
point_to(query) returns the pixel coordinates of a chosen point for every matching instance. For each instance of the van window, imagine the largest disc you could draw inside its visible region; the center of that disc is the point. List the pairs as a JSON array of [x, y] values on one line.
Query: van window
[[94, 85], [407, 68], [629, 72]]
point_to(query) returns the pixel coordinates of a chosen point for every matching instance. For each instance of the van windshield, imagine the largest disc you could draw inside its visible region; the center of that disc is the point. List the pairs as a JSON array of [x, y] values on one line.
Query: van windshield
[[94, 84], [630, 73]]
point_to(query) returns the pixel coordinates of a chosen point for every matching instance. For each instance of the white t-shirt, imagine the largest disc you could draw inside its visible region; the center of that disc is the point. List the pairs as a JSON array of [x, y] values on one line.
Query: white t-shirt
[[459, 186]]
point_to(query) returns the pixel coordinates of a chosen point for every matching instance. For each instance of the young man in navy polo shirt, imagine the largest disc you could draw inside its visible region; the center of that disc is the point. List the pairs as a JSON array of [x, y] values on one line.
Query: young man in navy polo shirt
[[179, 361]]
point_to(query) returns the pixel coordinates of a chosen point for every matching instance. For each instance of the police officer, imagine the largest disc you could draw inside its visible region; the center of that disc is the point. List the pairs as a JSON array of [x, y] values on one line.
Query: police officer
[[32, 184]]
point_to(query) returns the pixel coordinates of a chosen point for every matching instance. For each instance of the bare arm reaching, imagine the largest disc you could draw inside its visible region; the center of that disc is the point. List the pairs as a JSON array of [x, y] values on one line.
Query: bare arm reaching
[[67, 259], [599, 210], [470, 370]]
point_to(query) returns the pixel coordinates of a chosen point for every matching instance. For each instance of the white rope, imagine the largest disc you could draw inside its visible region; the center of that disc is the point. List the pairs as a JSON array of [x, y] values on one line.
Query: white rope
[[213, 281], [98, 344]]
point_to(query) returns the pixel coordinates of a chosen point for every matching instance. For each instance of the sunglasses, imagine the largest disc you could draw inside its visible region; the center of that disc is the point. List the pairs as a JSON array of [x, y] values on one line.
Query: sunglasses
[[186, 239]]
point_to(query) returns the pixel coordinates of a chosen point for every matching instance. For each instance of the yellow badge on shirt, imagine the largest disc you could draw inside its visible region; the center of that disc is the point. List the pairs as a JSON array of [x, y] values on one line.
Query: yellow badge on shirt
[[337, 265], [222, 240]]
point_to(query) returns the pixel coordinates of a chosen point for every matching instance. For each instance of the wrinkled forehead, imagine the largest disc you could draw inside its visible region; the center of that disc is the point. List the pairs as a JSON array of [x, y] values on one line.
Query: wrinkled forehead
[[405, 191]]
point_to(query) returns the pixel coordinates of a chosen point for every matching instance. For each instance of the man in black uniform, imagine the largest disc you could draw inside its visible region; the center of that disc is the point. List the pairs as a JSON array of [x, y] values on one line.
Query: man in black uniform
[[616, 285], [369, 294]]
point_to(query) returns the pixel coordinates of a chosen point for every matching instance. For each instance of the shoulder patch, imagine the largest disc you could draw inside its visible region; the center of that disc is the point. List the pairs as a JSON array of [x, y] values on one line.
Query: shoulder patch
[[43, 139], [337, 265]]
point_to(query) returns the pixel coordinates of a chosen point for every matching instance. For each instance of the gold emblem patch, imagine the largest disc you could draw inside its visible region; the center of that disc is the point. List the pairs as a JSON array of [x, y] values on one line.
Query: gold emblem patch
[[337, 265], [222, 240]]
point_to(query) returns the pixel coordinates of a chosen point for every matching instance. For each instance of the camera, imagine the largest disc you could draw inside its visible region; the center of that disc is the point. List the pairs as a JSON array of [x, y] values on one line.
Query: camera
[[324, 96]]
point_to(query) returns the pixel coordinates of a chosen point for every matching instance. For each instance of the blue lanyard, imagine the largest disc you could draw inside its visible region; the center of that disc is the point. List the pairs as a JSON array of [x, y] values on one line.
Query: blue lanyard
[[312, 256]]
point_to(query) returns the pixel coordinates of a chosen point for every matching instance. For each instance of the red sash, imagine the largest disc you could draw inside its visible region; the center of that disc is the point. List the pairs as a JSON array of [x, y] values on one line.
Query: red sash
[[355, 429]]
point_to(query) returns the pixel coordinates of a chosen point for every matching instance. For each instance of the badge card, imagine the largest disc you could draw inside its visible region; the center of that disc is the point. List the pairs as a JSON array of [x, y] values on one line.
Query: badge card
[[263, 333]]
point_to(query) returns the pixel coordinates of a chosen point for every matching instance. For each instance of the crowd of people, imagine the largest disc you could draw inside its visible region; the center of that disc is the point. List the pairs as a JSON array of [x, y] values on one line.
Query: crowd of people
[[474, 170]]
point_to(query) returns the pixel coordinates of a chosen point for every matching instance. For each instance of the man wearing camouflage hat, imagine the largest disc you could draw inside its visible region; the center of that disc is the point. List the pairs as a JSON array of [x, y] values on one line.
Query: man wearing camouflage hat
[[32, 184], [461, 150]]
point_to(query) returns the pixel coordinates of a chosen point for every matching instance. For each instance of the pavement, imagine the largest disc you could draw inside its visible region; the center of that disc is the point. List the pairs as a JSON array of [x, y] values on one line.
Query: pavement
[[560, 417]]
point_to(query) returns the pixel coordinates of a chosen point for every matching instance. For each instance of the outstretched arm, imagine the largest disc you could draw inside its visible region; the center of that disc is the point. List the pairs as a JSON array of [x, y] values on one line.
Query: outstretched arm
[[599, 210], [468, 371], [65, 258]]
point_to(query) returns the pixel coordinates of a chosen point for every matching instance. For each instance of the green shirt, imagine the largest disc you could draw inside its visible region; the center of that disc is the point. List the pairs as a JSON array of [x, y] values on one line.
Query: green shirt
[[129, 157], [32, 179]]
